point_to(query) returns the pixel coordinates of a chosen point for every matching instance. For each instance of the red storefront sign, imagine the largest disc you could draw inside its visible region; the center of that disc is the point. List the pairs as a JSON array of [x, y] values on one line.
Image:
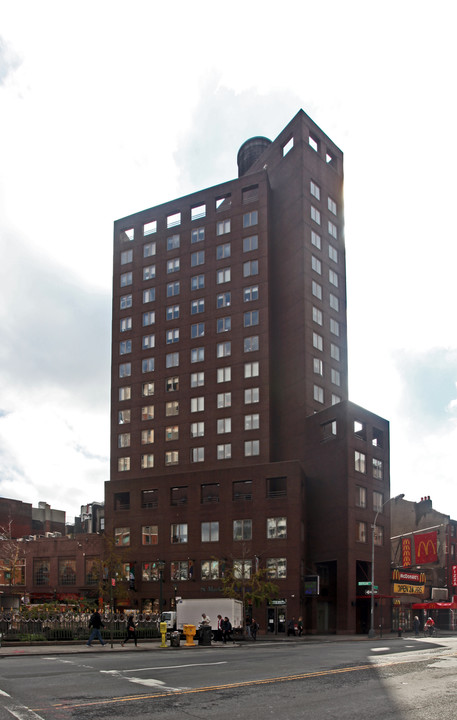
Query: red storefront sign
[[454, 575], [426, 547], [406, 552]]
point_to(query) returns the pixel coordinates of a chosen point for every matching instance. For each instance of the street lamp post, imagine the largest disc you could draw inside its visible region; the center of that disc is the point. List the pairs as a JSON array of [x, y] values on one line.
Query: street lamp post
[[371, 632], [161, 566]]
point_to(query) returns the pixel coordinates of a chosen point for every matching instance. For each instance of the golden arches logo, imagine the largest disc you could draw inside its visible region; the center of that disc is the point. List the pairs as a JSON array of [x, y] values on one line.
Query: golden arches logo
[[424, 548]]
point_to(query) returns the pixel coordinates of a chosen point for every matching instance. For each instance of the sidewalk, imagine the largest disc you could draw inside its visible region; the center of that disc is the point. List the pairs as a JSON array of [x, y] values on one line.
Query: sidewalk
[[67, 648]]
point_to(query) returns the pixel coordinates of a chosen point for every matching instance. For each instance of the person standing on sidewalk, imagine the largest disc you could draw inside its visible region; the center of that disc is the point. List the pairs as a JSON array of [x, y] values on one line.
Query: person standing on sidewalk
[[96, 623], [130, 631]]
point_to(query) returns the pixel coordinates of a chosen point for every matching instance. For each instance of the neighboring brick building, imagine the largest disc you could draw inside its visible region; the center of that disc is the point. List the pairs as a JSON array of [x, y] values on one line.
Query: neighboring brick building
[[232, 438]]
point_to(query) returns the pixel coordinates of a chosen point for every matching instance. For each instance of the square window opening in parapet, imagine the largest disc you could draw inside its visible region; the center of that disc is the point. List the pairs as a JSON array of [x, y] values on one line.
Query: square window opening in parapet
[[224, 202], [360, 429], [198, 212], [328, 430], [174, 220], [313, 142], [378, 438], [149, 498], [287, 147], [276, 487], [122, 501], [330, 158], [242, 490], [150, 228], [250, 194], [210, 493], [127, 235]]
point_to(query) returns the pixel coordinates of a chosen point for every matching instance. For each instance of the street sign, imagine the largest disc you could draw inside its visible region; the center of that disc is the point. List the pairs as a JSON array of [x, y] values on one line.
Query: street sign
[[365, 582], [369, 592]]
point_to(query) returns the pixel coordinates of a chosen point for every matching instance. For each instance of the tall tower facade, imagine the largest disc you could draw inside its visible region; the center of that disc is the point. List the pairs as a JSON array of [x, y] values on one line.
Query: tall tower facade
[[229, 333]]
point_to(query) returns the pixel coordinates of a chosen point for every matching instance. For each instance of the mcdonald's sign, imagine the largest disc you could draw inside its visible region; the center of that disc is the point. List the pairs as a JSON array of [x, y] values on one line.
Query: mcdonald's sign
[[426, 547], [406, 552]]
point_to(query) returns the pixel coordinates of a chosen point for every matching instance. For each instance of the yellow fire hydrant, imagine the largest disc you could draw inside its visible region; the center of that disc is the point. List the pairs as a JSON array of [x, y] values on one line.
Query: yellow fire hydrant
[[163, 632], [189, 632]]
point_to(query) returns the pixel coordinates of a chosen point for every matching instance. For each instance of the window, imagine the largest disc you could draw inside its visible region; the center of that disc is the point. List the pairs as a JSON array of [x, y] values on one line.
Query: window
[[147, 412], [172, 312], [127, 235], [147, 437], [360, 531], [315, 239], [125, 393], [334, 327], [223, 349], [125, 370], [276, 528], [149, 534], [315, 215], [333, 253], [197, 355], [252, 422], [331, 204], [41, 571], [251, 448], [318, 393], [223, 324], [223, 227], [276, 487], [335, 399], [250, 218], [197, 404], [210, 569], [125, 301], [122, 536], [147, 461], [149, 295], [251, 293], [360, 496], [172, 360], [329, 430], [318, 366], [147, 389], [171, 433], [126, 257], [197, 235], [316, 289], [224, 400], [178, 495], [377, 469], [150, 228], [317, 315], [250, 243], [242, 490], [173, 265], [251, 369], [172, 384], [335, 377], [223, 300], [148, 318], [250, 268], [242, 569], [149, 249], [123, 440], [316, 265], [179, 533], [360, 462], [378, 501], [210, 494], [379, 535], [315, 190], [197, 330], [172, 408], [197, 454], [147, 365], [173, 289], [242, 530], [174, 219], [318, 341], [333, 277], [197, 429], [67, 572], [197, 306], [181, 570], [149, 572], [149, 272], [334, 302], [224, 425], [332, 230], [251, 344], [125, 347], [223, 251], [224, 374], [378, 438], [197, 282], [126, 279], [276, 568], [123, 417], [287, 147], [251, 395], [173, 242], [210, 532], [197, 212], [334, 351], [251, 318], [197, 379], [197, 258], [223, 276], [224, 452], [172, 457]]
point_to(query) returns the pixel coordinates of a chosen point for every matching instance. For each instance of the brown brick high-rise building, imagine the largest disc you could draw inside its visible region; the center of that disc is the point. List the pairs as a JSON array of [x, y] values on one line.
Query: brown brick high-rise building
[[232, 438]]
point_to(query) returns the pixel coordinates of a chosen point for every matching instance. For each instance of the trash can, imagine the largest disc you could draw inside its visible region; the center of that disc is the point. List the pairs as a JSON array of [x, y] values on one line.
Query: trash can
[[204, 635], [175, 639]]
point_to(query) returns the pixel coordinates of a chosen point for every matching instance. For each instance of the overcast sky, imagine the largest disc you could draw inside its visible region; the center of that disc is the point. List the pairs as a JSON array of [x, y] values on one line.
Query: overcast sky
[[107, 108]]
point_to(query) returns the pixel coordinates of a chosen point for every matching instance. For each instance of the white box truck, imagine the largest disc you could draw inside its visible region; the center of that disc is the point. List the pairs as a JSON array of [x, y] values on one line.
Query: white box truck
[[189, 612]]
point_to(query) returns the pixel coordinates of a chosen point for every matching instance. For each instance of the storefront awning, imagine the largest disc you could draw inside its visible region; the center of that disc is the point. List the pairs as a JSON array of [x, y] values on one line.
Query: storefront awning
[[434, 606]]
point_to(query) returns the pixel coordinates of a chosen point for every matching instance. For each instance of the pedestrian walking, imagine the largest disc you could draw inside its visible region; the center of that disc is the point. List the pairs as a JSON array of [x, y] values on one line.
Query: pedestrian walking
[[130, 631], [416, 625], [219, 628], [226, 629], [254, 628], [96, 623], [300, 626]]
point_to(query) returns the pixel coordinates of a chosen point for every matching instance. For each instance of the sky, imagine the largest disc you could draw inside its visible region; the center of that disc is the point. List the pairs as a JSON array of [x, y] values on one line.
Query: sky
[[108, 108]]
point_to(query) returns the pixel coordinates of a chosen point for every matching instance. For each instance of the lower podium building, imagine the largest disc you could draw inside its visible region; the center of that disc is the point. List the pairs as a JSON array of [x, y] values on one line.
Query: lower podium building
[[233, 441]]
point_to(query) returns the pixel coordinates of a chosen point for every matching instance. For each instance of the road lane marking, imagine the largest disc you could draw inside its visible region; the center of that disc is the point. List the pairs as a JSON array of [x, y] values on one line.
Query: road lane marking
[[22, 713], [2, 692], [162, 667]]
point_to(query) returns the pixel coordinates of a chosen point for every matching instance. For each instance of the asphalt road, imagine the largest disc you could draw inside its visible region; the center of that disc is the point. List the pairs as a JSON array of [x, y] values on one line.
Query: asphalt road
[[398, 680]]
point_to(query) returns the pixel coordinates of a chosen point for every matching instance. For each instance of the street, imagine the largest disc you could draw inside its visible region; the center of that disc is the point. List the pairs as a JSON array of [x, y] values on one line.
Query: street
[[399, 679]]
